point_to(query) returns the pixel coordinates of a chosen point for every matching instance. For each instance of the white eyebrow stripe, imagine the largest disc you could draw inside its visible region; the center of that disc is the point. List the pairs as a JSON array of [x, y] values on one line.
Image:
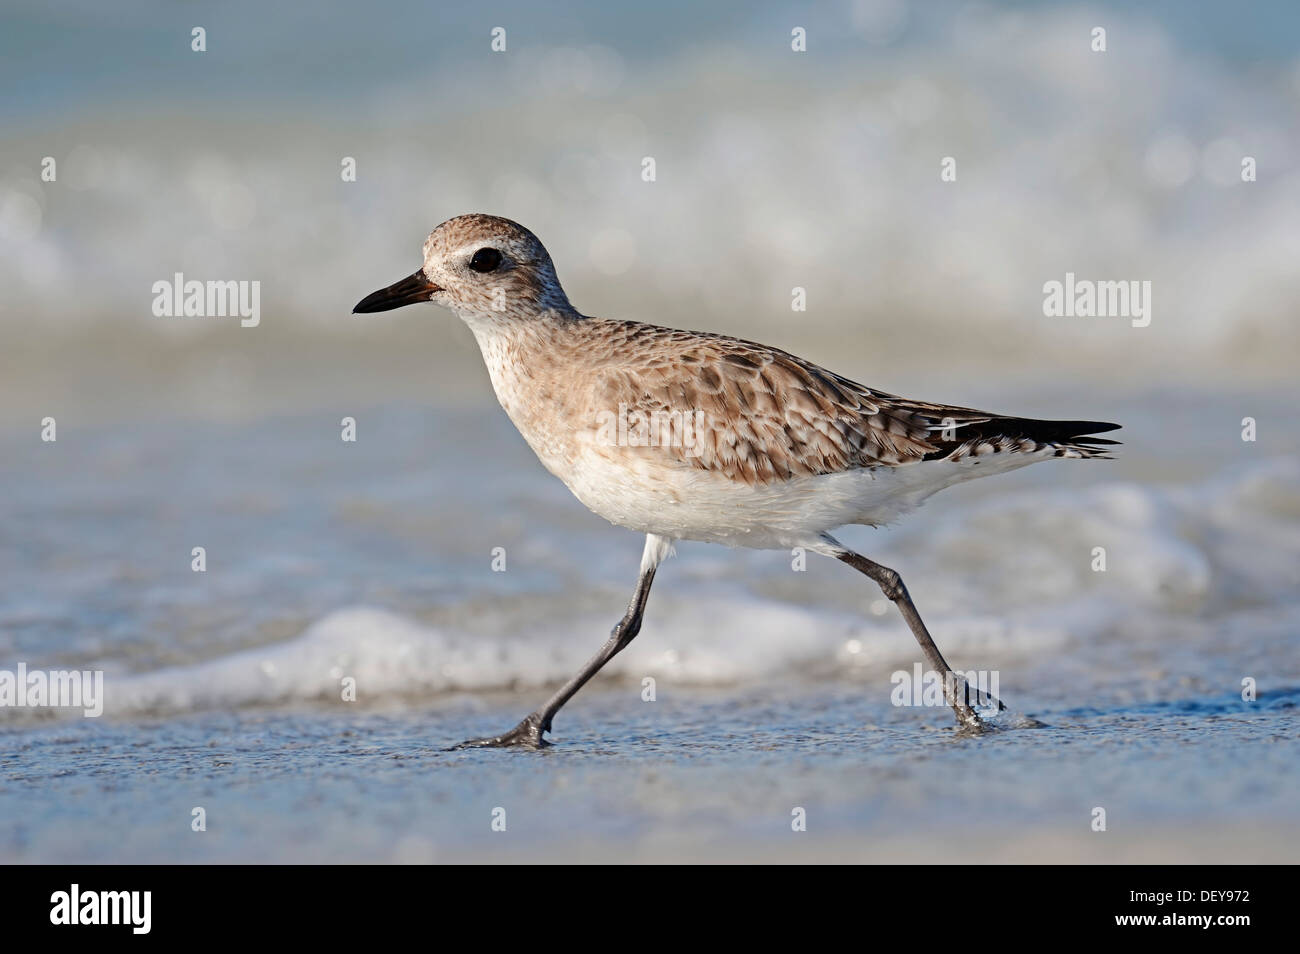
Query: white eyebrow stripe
[[472, 247]]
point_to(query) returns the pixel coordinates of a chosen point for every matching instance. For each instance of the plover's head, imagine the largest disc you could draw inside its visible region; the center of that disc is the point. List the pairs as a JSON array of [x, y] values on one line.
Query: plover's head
[[479, 266]]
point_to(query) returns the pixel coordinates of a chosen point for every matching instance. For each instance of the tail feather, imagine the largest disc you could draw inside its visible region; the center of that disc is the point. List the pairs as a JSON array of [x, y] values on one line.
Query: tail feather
[[1025, 435]]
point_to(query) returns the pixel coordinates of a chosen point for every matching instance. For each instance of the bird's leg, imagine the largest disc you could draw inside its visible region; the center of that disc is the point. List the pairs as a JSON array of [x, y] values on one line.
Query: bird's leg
[[955, 688], [530, 733]]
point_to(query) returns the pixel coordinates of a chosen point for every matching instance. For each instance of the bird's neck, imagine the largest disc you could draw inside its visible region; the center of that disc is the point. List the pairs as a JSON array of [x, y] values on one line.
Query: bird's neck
[[518, 348], [534, 367]]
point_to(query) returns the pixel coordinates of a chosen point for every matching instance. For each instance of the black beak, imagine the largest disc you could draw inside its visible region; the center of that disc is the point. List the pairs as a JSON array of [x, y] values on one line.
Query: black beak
[[408, 291]]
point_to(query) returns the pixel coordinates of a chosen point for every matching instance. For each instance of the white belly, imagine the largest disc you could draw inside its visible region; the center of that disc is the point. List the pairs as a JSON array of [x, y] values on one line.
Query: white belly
[[682, 504]]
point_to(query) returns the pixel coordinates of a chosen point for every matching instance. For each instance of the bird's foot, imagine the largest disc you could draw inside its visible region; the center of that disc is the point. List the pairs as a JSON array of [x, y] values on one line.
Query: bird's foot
[[968, 720], [971, 718], [528, 734]]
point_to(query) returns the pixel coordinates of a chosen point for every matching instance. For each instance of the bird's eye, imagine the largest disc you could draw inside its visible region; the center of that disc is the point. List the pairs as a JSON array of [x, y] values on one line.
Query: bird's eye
[[485, 260]]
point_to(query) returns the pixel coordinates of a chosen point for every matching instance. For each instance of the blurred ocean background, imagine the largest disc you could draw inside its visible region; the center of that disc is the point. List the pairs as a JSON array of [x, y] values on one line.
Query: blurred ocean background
[[775, 169]]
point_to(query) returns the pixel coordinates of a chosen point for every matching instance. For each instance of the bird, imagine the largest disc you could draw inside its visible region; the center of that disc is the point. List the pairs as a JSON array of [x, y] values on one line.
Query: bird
[[690, 435]]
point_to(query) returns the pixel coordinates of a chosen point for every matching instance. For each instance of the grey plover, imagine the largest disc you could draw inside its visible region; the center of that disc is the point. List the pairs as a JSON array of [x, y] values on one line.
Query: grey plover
[[685, 435]]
